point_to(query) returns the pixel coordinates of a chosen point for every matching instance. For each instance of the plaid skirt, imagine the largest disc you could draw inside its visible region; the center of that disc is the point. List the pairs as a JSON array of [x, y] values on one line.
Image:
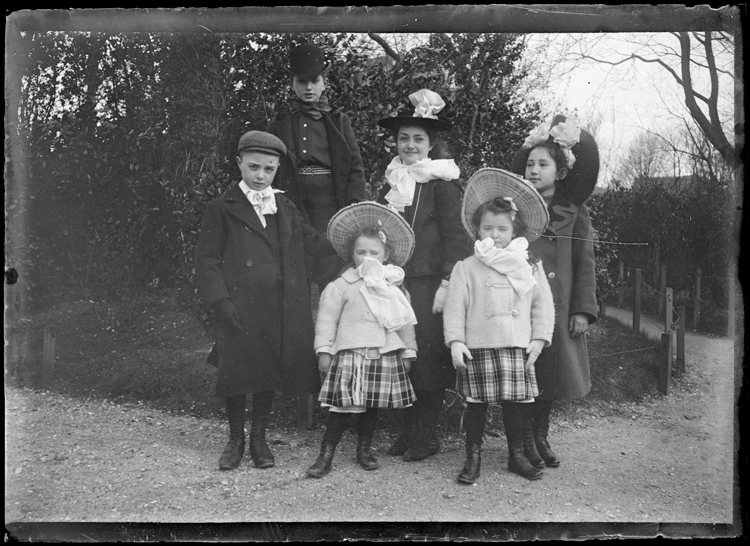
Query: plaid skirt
[[497, 375], [353, 379]]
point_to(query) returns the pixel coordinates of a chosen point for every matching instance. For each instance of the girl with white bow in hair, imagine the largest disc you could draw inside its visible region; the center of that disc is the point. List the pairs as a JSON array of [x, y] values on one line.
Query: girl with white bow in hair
[[364, 333], [423, 186], [499, 313]]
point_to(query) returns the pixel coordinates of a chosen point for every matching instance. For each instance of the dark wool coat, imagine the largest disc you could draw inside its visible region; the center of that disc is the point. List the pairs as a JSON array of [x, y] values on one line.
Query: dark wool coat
[[234, 259], [435, 217], [440, 242], [346, 163], [567, 253]]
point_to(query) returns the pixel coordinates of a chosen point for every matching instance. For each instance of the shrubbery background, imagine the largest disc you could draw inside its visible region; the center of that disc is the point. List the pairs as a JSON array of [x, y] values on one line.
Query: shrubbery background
[[123, 138]]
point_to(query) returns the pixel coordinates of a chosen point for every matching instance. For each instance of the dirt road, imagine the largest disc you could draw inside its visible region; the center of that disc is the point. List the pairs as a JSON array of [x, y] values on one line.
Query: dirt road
[[668, 460]]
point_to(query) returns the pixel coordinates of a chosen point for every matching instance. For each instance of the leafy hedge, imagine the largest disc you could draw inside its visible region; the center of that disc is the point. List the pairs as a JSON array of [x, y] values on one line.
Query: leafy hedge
[[128, 136]]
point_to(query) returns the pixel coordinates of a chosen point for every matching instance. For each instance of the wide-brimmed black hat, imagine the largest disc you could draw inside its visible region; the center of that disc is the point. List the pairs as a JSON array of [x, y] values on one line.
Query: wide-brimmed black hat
[[579, 183], [307, 61], [427, 110]]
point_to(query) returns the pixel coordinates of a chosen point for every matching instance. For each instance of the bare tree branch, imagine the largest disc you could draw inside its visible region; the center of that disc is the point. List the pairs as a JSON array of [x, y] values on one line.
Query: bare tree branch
[[387, 48]]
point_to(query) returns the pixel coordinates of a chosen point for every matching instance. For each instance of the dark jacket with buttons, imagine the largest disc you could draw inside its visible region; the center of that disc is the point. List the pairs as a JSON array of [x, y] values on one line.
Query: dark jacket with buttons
[[567, 252], [346, 163], [435, 216], [236, 259]]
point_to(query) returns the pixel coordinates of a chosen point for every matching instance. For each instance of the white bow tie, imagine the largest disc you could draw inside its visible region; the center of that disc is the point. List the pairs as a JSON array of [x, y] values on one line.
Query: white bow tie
[[263, 201]]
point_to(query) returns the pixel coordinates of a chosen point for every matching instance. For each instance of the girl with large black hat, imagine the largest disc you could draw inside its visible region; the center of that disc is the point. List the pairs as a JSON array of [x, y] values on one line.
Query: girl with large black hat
[[326, 171], [562, 162], [423, 186]]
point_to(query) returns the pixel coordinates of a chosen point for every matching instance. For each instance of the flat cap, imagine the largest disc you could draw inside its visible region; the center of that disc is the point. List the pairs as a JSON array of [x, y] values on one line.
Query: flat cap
[[260, 141]]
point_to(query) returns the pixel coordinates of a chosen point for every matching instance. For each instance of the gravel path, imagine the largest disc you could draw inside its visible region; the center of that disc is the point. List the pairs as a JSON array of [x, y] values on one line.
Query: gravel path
[[668, 460]]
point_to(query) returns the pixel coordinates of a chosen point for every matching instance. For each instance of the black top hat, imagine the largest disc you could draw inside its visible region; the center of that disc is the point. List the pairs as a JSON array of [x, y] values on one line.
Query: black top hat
[[414, 113], [307, 61], [579, 183]]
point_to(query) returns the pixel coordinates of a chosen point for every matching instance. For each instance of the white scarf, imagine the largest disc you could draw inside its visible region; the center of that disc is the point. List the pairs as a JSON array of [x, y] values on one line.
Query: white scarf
[[262, 201], [511, 261], [404, 178], [385, 300]]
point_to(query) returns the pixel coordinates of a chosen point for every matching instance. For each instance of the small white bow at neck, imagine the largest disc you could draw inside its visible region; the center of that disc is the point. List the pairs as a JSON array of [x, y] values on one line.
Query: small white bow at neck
[[262, 201]]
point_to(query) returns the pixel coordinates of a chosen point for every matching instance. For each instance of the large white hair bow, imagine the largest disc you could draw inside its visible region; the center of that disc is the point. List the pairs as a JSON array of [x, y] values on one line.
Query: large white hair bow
[[566, 134]]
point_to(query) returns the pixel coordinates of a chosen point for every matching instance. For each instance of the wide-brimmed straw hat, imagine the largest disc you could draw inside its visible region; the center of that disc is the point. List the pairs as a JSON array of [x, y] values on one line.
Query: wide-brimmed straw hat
[[307, 61], [427, 109], [349, 220], [487, 184], [579, 183]]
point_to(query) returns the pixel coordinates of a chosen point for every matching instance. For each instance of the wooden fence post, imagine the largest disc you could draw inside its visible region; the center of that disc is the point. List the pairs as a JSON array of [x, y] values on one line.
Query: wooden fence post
[[665, 369], [681, 327], [305, 412], [697, 299], [731, 316], [637, 301], [48, 357], [662, 286], [620, 292], [669, 325]]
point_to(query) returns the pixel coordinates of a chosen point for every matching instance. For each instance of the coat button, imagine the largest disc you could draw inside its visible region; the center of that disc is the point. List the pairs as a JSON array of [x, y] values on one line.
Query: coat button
[[249, 263], [551, 275]]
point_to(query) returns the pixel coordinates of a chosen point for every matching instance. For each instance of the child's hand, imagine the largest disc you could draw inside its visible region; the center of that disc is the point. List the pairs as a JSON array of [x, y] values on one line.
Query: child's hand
[[407, 363], [458, 351], [439, 301], [578, 324], [324, 362], [534, 350]]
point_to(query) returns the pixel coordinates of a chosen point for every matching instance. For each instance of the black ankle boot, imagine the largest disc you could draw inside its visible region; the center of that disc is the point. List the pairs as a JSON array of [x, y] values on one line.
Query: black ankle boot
[[517, 462], [529, 445], [259, 450], [427, 442], [235, 449], [365, 458], [542, 411], [514, 414], [470, 473], [322, 464]]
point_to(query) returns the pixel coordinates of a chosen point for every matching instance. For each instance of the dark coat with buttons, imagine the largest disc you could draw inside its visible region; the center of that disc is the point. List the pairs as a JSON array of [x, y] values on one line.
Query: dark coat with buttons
[[567, 253], [346, 162], [235, 259]]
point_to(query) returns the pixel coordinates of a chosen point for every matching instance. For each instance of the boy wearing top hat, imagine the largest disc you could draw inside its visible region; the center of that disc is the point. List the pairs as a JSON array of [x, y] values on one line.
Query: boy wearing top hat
[[325, 171], [249, 267]]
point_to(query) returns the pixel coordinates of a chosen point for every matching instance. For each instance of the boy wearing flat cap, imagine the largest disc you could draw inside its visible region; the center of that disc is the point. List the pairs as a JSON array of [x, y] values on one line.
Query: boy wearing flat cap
[[249, 265], [325, 170]]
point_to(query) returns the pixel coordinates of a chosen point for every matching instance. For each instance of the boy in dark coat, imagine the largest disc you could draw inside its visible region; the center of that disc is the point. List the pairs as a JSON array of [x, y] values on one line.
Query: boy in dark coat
[[323, 171], [249, 265]]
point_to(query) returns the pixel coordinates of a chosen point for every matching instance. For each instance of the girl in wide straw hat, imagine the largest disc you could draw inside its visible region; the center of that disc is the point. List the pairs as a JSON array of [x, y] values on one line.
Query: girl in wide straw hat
[[325, 171], [561, 160], [499, 313], [423, 185], [364, 333]]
